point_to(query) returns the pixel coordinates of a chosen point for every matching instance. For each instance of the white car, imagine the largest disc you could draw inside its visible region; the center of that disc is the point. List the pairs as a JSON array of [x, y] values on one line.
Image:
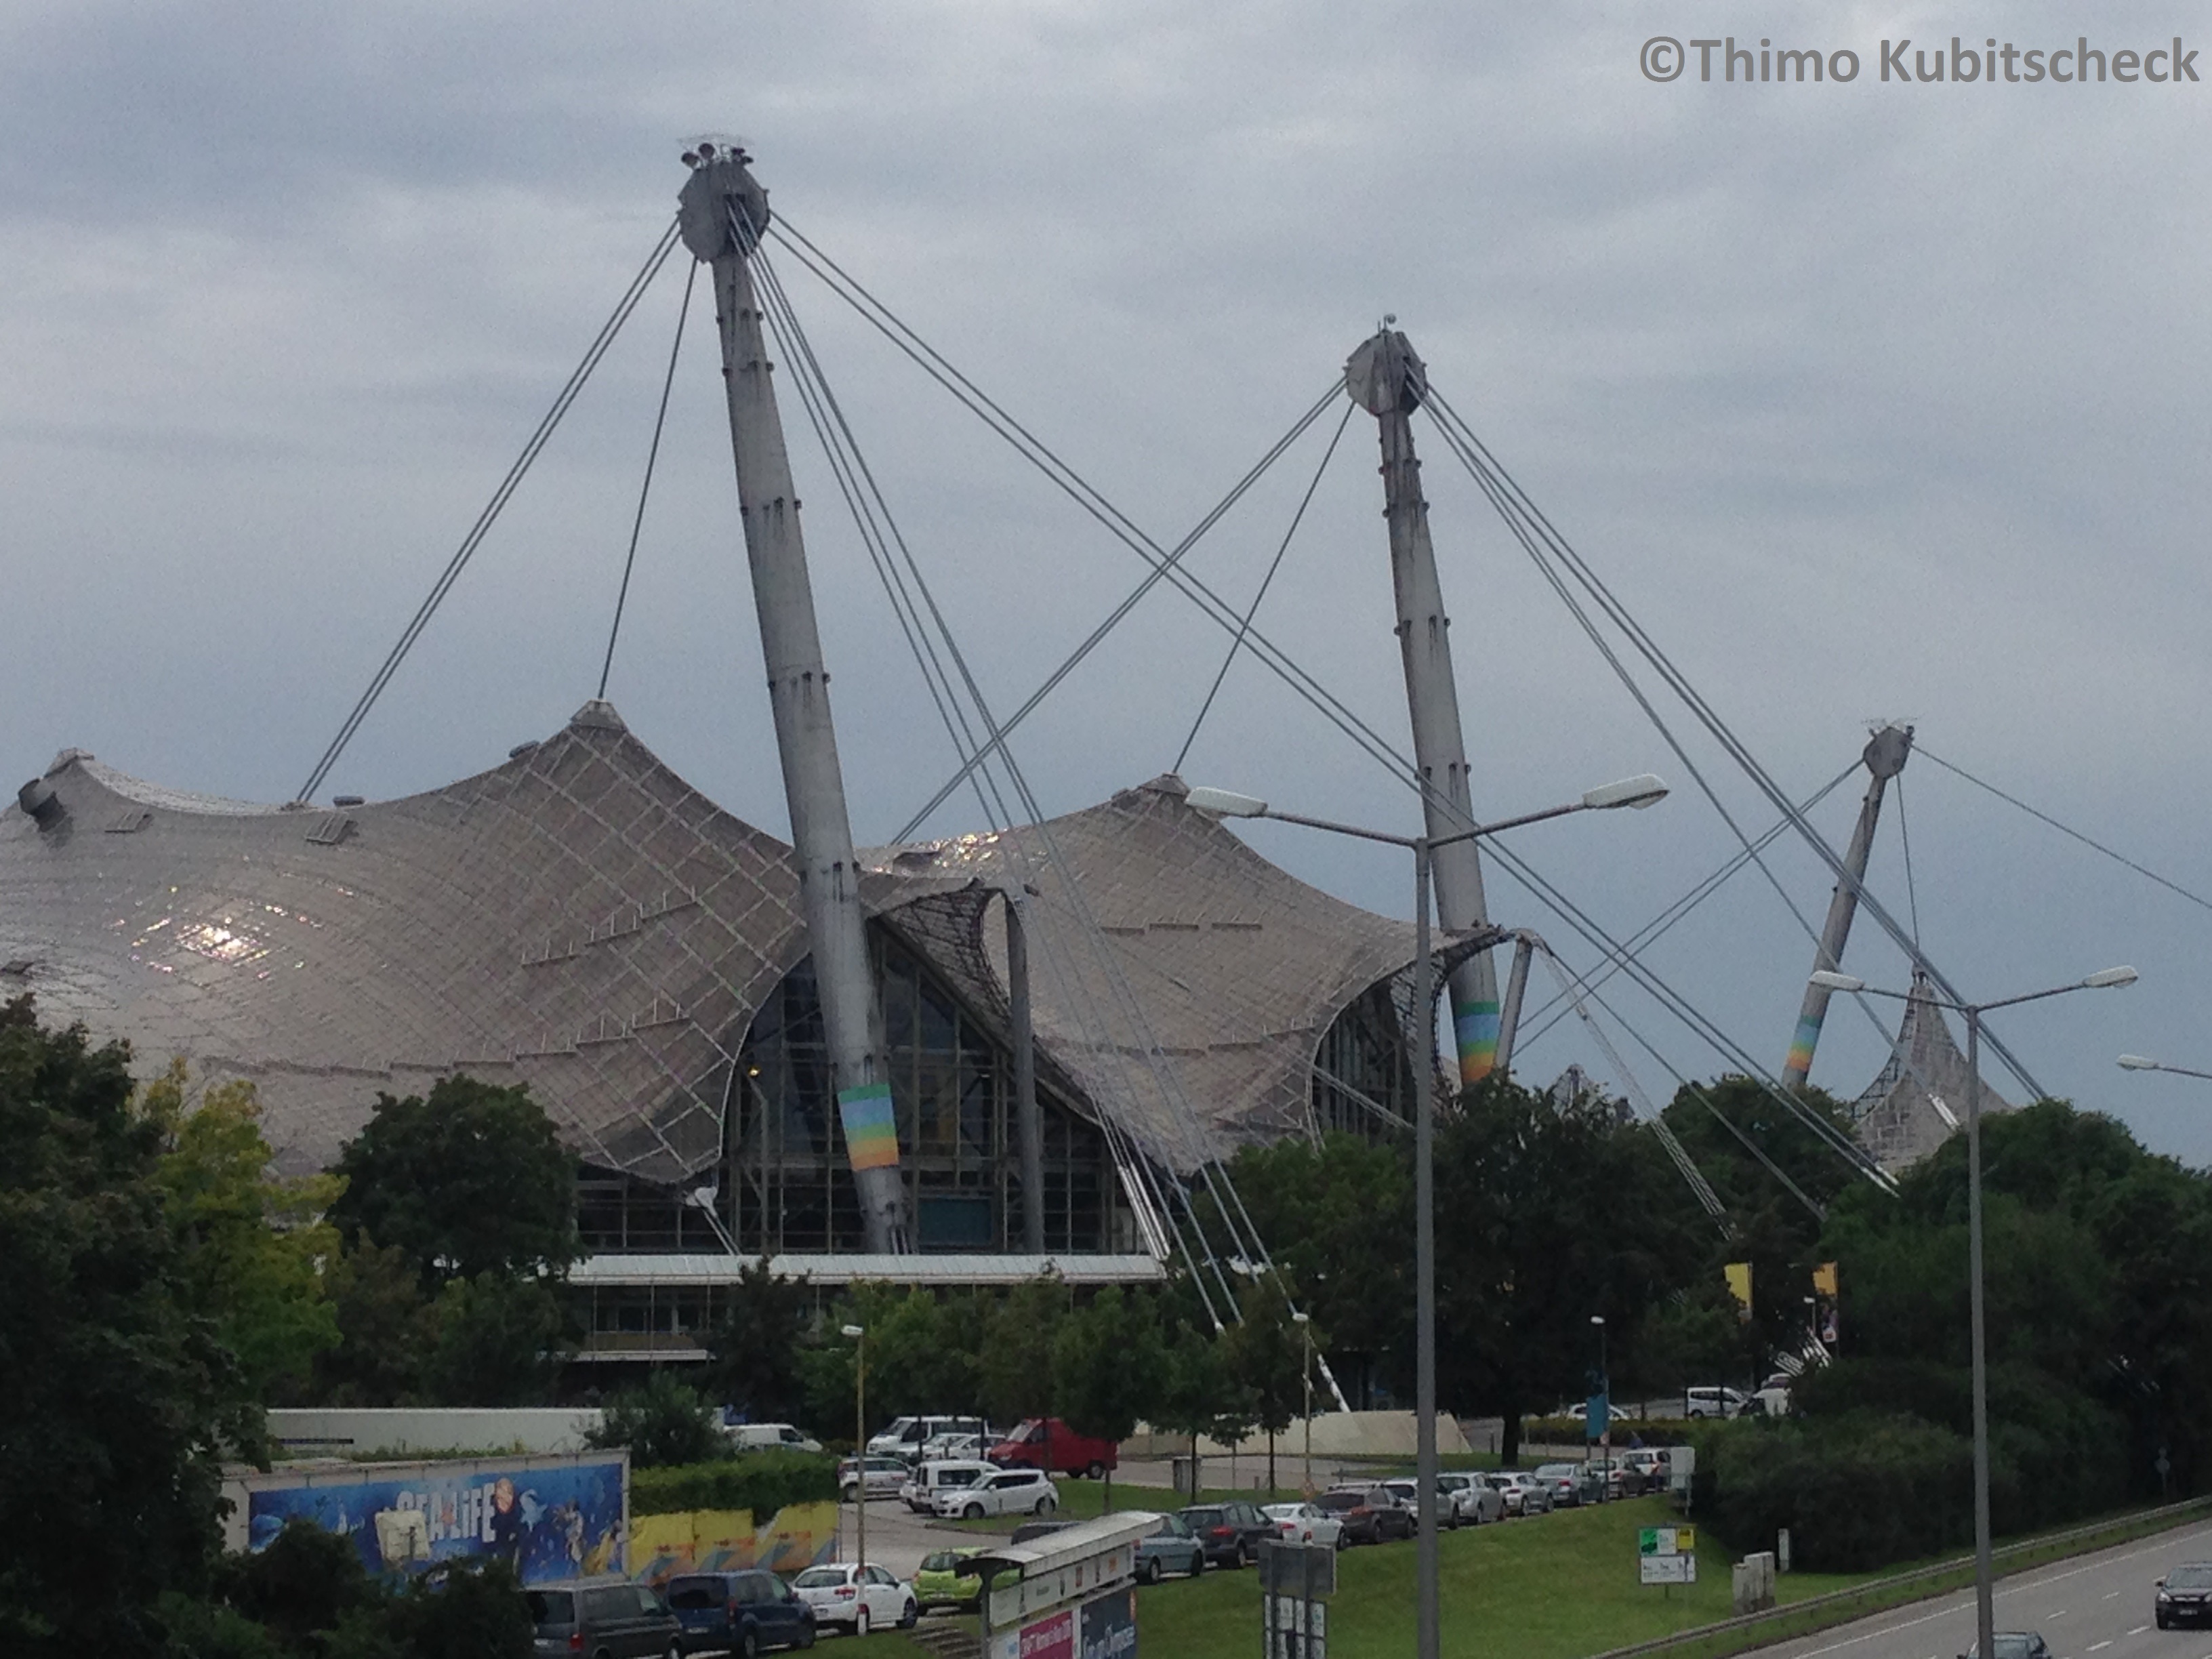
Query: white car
[[1714, 1402], [906, 1436], [861, 1599], [1474, 1499], [1523, 1493], [954, 1448], [942, 1475], [1004, 1492], [769, 1436], [883, 1475], [1305, 1523]]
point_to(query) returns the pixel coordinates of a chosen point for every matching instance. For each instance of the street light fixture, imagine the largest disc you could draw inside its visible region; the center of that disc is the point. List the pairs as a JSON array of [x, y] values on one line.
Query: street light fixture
[[2143, 1063], [1605, 1389], [1643, 790], [1305, 1322], [859, 1335], [2102, 980]]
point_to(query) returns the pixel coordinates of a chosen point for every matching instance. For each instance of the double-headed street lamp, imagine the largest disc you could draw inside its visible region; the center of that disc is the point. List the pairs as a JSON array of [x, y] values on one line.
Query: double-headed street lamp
[[1643, 791], [2106, 978], [2142, 1063]]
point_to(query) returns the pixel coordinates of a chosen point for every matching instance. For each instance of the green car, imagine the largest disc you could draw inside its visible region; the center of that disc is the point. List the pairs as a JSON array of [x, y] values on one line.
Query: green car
[[941, 1582]]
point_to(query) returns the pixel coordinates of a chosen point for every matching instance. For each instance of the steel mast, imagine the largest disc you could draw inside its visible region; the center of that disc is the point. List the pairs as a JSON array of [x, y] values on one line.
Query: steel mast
[[1885, 756], [1389, 381], [723, 212]]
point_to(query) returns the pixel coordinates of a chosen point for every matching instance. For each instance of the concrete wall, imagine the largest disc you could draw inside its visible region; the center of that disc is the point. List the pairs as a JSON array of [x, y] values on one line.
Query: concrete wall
[[1335, 1434]]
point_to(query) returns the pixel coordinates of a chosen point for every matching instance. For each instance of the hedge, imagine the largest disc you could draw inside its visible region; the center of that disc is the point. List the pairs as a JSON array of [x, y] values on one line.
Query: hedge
[[762, 1481]]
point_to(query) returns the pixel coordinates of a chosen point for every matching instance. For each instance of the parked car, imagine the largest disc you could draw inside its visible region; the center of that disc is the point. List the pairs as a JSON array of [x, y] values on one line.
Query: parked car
[[1231, 1533], [919, 1491], [769, 1436], [1650, 1463], [1523, 1493], [859, 1598], [945, 1580], [906, 1436], [1713, 1402], [2013, 1644], [1407, 1492], [1002, 1492], [740, 1612], [883, 1475], [1305, 1523], [1031, 1442], [2185, 1596], [1475, 1499], [1171, 1546], [962, 1448], [1572, 1484], [609, 1616], [1370, 1514]]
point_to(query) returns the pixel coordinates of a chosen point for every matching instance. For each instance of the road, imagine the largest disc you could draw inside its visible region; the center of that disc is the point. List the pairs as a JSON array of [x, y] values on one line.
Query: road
[[2093, 1607]]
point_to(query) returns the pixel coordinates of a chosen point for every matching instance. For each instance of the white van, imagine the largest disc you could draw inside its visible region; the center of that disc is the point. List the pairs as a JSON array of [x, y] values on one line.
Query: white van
[[1714, 1402], [769, 1436], [905, 1436], [938, 1475]]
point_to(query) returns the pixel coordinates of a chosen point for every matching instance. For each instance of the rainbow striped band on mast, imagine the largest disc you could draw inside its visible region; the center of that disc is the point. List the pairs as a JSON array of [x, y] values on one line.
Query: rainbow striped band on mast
[[871, 1130], [1474, 1024], [1799, 1065]]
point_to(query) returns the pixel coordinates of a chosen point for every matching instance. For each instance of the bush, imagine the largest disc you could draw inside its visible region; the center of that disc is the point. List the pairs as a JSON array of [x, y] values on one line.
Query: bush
[[666, 1424], [1568, 1431], [1857, 1492], [762, 1481]]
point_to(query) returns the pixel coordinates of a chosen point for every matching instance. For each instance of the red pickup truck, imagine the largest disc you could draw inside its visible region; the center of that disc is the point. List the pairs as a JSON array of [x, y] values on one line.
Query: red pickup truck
[[1038, 1438]]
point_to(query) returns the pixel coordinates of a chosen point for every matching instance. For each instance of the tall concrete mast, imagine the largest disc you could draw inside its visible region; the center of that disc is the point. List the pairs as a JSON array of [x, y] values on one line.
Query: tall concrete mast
[[1389, 381], [1885, 756], [723, 213]]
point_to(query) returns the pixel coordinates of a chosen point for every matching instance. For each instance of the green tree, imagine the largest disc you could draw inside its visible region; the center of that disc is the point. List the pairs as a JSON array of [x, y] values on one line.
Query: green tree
[[1552, 1214], [1111, 1367], [116, 1403], [468, 1180], [1336, 1219], [387, 1329], [664, 1422], [754, 1346], [300, 1588], [1264, 1355], [1015, 1367], [1198, 1397], [495, 1341], [251, 1245]]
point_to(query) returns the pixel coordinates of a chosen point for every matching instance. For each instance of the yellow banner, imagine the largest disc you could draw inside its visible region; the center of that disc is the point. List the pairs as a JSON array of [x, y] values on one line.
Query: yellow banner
[[1824, 1280], [727, 1540], [1739, 1283]]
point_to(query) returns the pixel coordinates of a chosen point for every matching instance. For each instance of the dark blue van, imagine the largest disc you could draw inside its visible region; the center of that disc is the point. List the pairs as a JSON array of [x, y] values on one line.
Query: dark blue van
[[740, 1612]]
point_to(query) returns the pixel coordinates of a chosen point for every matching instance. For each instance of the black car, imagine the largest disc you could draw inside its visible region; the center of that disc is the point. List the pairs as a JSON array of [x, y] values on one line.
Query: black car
[[1370, 1514], [739, 1612], [1231, 1534], [2185, 1596], [604, 1618]]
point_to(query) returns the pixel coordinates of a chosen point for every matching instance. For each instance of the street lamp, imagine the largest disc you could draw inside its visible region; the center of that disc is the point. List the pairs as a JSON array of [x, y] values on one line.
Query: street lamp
[[1643, 790], [1305, 1322], [859, 1335], [2104, 978], [2140, 1063]]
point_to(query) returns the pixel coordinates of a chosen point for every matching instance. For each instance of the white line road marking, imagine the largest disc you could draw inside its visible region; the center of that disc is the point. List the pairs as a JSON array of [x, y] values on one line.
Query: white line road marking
[[2099, 1647], [2111, 1596], [2139, 1629]]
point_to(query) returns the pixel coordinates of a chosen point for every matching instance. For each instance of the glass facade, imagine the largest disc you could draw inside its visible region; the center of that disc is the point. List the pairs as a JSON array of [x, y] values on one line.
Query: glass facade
[[783, 1183], [1362, 1064]]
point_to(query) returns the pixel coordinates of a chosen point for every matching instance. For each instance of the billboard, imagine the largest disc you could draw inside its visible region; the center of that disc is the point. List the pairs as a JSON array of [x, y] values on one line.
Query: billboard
[[546, 1517]]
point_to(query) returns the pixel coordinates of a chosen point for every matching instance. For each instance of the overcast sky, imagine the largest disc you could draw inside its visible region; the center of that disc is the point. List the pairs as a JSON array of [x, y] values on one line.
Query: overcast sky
[[1872, 400]]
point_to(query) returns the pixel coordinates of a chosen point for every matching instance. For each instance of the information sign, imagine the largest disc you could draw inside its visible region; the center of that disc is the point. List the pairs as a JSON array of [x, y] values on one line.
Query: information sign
[[1667, 1569], [1666, 1540]]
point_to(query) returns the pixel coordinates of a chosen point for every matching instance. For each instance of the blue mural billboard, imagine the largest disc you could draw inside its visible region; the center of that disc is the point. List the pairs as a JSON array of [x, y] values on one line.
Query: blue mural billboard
[[547, 1518]]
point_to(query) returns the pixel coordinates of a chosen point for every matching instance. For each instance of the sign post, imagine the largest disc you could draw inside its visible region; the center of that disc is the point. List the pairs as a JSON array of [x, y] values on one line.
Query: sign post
[[1294, 1580], [1667, 1555]]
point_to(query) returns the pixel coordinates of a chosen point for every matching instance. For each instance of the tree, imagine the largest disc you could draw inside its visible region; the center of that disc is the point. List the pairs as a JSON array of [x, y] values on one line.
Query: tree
[[495, 1342], [1336, 1219], [664, 1423], [116, 1403], [301, 1587], [386, 1328], [251, 1246], [1553, 1213], [1111, 1368], [1197, 1395], [754, 1346], [469, 1181], [1264, 1356], [1015, 1368]]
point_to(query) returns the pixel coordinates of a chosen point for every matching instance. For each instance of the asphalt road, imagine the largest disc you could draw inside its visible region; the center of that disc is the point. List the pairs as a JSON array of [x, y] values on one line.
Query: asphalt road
[[2093, 1607]]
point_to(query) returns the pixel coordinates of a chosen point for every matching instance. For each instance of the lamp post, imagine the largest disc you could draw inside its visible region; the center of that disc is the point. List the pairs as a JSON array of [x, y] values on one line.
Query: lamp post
[[1303, 1320], [1642, 790], [2142, 1063], [2104, 978], [859, 1335]]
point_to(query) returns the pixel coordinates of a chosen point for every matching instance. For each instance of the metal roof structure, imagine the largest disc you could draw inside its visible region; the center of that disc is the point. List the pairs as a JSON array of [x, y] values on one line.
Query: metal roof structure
[[1918, 1100], [581, 919]]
